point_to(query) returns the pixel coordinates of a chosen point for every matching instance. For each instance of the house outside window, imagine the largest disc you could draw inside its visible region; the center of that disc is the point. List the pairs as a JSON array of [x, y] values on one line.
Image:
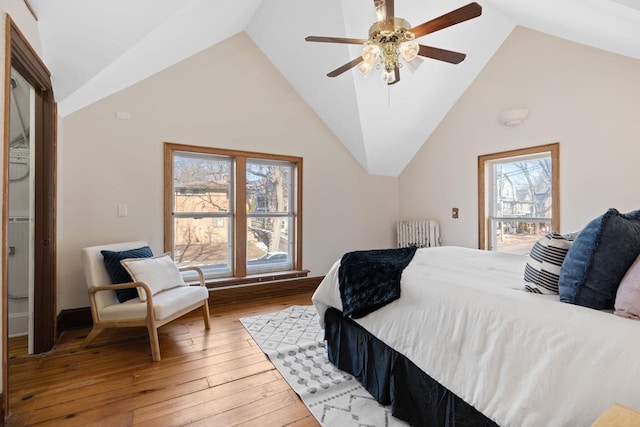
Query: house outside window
[[235, 214], [518, 198]]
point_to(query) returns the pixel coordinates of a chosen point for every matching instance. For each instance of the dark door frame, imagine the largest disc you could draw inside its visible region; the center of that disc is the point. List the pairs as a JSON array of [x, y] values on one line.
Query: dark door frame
[[20, 55]]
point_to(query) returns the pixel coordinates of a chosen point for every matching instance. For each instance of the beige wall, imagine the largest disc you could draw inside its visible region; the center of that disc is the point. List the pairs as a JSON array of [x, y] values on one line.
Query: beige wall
[[24, 20], [228, 96], [584, 98]]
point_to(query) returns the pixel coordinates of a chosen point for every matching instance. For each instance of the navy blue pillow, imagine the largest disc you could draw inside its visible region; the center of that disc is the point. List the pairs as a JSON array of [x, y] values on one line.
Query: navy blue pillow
[[118, 274], [599, 258]]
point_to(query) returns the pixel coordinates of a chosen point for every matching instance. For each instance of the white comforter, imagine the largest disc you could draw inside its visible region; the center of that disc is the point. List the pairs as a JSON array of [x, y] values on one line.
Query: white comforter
[[521, 359]]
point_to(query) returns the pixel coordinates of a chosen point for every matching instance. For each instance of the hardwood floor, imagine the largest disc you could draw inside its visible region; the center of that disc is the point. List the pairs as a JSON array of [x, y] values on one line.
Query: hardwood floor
[[205, 378]]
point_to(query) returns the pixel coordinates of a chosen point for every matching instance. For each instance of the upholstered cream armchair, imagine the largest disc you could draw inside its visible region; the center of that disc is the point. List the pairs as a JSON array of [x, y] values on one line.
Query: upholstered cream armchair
[[157, 295]]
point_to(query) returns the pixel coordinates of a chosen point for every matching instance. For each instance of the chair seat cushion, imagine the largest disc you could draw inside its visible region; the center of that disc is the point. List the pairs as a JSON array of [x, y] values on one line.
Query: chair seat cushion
[[165, 303]]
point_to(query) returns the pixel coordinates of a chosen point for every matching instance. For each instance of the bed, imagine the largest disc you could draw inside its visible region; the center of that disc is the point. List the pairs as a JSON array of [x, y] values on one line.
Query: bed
[[476, 349]]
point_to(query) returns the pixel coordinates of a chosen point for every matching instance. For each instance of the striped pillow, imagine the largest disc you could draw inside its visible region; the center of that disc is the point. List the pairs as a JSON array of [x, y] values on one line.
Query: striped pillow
[[542, 271]]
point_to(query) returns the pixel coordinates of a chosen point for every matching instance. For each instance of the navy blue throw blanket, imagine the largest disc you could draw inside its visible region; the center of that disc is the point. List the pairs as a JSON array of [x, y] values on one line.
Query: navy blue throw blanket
[[371, 279]]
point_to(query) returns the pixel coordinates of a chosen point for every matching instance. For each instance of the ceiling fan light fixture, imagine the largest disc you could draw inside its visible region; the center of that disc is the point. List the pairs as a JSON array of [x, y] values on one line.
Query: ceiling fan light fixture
[[370, 52], [409, 50], [365, 68], [388, 76], [380, 10], [414, 64]]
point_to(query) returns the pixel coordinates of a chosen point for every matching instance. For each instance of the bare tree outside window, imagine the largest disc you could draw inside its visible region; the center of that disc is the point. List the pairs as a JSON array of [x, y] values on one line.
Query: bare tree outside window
[[523, 202], [201, 198], [269, 212]]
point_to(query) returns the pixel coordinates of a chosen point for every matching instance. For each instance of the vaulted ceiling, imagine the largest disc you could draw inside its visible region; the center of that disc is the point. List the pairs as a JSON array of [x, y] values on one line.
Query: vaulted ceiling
[[96, 48]]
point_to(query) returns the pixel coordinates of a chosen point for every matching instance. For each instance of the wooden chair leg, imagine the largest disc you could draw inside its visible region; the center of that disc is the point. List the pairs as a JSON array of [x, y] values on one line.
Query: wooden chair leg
[[92, 335], [153, 340], [205, 314]]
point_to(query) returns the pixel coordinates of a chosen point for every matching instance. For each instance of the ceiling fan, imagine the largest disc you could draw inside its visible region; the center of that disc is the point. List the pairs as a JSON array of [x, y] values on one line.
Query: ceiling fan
[[391, 38]]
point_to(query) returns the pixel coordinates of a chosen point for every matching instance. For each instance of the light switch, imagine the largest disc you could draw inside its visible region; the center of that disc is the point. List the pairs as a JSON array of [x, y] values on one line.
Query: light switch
[[454, 213], [122, 210]]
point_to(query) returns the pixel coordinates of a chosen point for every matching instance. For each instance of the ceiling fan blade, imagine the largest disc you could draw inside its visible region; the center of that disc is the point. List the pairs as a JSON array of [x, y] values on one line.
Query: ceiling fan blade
[[389, 6], [441, 54], [384, 10], [349, 65], [470, 11], [335, 40]]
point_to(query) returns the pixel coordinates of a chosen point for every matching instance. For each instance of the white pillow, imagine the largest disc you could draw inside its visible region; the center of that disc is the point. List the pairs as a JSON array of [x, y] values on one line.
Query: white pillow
[[159, 273]]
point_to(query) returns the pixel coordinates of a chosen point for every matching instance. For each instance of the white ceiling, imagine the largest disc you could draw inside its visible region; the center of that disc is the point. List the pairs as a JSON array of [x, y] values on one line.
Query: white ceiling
[[95, 48]]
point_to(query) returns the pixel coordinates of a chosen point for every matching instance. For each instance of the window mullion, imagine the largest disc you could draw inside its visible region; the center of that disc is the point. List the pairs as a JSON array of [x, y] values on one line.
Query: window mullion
[[240, 223]]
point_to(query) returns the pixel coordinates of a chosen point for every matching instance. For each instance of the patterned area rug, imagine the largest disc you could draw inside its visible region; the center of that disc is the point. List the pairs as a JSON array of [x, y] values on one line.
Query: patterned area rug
[[294, 342]]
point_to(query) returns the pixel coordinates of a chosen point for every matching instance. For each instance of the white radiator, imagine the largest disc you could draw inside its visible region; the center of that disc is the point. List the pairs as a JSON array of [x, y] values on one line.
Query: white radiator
[[423, 234]]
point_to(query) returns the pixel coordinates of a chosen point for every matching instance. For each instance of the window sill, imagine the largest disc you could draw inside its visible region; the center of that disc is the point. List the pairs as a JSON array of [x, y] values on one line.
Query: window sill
[[254, 279]]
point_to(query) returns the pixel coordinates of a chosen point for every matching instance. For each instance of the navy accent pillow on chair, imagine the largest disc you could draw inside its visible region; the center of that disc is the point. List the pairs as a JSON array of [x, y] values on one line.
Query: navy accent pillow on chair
[[599, 258], [117, 272]]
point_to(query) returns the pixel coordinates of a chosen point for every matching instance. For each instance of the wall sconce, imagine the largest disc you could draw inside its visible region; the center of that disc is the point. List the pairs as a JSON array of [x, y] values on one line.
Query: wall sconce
[[513, 117]]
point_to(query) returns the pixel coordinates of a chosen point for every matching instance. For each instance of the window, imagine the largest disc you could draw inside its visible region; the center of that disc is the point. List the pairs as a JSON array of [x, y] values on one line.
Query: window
[[235, 214], [518, 198]]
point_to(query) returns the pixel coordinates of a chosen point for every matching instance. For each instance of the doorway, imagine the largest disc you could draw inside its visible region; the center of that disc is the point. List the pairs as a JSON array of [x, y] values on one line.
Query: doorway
[[20, 229], [21, 57]]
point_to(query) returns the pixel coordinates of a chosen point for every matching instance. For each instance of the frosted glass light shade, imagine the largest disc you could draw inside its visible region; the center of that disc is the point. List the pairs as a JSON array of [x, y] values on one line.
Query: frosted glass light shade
[[365, 68], [388, 76], [414, 64], [409, 50], [370, 53]]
